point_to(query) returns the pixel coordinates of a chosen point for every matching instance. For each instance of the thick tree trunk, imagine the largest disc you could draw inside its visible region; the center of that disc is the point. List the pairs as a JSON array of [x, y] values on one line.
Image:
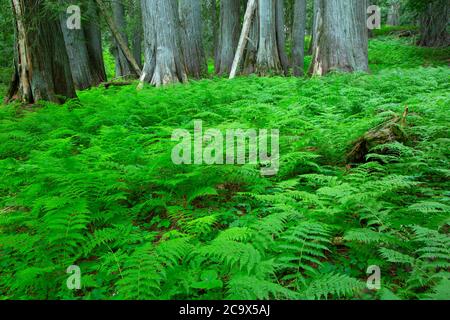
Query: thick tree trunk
[[268, 58], [42, 65], [298, 37], [433, 24], [393, 18], [93, 38], [123, 67], [341, 37], [228, 35], [164, 62], [281, 36], [82, 50], [191, 37]]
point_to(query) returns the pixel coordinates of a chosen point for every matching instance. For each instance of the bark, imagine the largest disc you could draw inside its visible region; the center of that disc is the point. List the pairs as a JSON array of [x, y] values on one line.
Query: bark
[[83, 45], [251, 6], [42, 64], [281, 36], [164, 62], [298, 37], [268, 58], [120, 40], [214, 28], [341, 37], [433, 24], [93, 38], [137, 32], [123, 67], [251, 52], [228, 35], [393, 18], [191, 38], [316, 15]]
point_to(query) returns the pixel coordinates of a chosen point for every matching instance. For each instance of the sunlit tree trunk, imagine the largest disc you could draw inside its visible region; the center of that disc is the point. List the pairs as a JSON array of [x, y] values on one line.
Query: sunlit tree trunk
[[42, 65], [341, 37]]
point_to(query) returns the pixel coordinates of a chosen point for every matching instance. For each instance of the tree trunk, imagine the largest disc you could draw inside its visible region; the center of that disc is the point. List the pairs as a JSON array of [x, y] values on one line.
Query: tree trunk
[[433, 24], [393, 18], [82, 50], [119, 39], [316, 15], [341, 37], [281, 36], [251, 6], [268, 58], [252, 47], [123, 68], [137, 32], [228, 35], [42, 65], [298, 30], [93, 38], [191, 37], [214, 28], [164, 62]]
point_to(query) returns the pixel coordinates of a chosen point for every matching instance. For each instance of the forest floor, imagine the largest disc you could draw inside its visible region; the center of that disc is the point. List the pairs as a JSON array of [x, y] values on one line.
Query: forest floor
[[91, 183]]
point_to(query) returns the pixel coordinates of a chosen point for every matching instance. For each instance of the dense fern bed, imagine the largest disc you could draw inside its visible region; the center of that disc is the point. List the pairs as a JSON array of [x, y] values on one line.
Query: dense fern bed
[[91, 183]]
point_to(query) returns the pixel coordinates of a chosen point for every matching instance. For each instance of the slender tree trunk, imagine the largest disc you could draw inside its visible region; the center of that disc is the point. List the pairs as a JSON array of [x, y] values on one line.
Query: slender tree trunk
[[164, 62], [252, 47], [119, 39], [42, 65], [191, 38], [214, 28], [281, 35], [341, 37], [228, 35], [268, 58], [434, 23], [251, 7], [314, 31], [298, 35], [123, 68], [87, 70], [393, 18], [137, 32]]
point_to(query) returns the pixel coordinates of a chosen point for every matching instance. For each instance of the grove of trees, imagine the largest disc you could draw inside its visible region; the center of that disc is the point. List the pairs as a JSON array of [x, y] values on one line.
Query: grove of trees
[[224, 150], [171, 37]]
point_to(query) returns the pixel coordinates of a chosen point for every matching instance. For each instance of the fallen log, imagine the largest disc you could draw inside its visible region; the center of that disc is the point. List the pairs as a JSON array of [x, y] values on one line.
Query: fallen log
[[390, 131]]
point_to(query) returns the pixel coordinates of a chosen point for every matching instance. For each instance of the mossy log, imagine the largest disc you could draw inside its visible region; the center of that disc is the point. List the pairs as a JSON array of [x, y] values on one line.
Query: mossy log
[[390, 131]]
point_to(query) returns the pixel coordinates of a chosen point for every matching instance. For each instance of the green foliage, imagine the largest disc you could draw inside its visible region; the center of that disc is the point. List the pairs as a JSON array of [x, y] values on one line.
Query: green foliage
[[91, 183]]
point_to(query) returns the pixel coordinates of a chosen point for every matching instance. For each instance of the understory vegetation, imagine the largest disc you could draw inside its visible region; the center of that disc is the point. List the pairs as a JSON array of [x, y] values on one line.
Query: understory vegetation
[[91, 183]]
